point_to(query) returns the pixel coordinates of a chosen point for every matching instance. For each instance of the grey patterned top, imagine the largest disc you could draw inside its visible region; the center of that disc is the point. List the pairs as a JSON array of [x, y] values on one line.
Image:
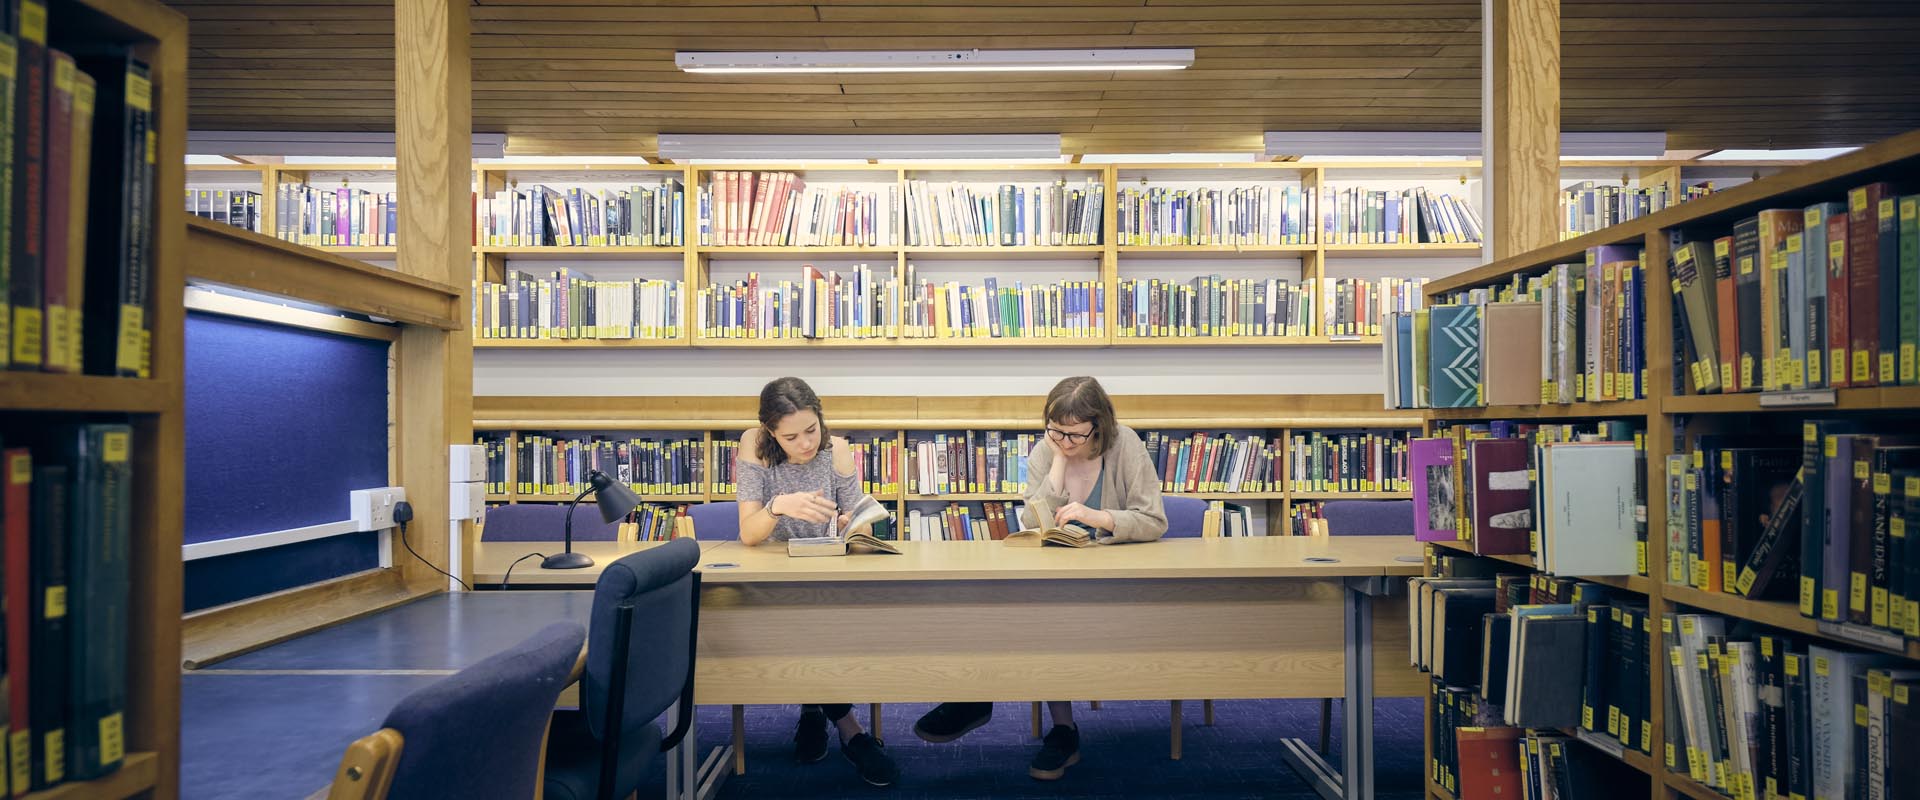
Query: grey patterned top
[[760, 484]]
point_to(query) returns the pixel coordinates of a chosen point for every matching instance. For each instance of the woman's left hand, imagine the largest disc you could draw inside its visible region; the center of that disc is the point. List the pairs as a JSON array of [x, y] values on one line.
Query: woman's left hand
[[1076, 512]]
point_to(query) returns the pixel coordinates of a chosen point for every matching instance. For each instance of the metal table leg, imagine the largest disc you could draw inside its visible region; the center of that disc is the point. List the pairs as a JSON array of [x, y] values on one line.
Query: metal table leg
[[1354, 781]]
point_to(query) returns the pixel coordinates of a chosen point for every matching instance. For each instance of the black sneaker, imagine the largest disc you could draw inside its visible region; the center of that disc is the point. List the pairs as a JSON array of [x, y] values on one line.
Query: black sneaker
[[1061, 749], [870, 759], [810, 738], [950, 721]]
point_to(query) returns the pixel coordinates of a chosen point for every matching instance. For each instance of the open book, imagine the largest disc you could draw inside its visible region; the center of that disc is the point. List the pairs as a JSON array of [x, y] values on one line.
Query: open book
[[1072, 534], [846, 540]]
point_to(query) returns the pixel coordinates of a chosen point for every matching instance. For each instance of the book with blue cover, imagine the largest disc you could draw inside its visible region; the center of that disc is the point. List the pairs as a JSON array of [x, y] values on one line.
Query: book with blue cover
[[1455, 356]]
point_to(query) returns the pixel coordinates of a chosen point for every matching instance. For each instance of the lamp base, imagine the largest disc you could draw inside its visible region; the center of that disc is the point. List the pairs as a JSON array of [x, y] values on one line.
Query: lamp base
[[567, 561]]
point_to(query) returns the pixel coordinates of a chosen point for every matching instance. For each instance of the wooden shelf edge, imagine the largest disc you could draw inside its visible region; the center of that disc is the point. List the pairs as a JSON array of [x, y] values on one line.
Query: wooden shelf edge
[[1689, 787], [1437, 791], [216, 634], [1616, 408], [137, 774], [1407, 495], [1864, 399], [1467, 548], [1777, 614], [42, 391], [222, 254]]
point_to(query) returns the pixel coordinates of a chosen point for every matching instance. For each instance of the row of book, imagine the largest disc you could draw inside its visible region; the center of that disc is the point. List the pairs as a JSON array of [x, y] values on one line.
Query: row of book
[[1586, 207], [560, 465], [1824, 521], [1825, 296], [1574, 334], [1358, 307], [640, 216], [1159, 216], [968, 462], [1757, 714], [857, 304], [1215, 462], [66, 501], [336, 217], [76, 252], [1356, 215], [1215, 306], [1348, 462], [779, 209], [1572, 496], [956, 524], [1008, 215], [236, 207], [1532, 660], [571, 304], [954, 310]]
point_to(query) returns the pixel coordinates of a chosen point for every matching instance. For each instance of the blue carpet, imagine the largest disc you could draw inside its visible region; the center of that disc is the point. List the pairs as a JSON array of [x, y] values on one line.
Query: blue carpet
[[1124, 753]]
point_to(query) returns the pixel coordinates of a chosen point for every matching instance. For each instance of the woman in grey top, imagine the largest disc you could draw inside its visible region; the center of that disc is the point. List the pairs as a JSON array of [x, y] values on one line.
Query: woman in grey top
[[796, 480]]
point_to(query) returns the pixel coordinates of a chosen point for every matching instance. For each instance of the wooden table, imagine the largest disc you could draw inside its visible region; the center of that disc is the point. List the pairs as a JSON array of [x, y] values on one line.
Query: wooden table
[[1259, 617], [492, 559]]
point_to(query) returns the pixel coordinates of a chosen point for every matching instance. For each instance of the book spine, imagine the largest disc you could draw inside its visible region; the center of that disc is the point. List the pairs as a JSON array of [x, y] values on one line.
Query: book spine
[[28, 246], [59, 354]]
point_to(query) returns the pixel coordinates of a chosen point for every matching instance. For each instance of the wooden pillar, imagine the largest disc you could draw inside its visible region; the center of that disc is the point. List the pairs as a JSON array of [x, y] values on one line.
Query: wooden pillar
[[433, 129], [1520, 123]]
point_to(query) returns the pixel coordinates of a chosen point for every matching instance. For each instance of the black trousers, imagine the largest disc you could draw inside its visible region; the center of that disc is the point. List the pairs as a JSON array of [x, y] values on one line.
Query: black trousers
[[834, 711]]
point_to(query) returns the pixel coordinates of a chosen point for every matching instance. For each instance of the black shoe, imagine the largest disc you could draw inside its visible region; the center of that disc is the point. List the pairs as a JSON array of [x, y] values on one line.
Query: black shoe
[[1061, 749], [950, 721], [810, 738], [869, 757]]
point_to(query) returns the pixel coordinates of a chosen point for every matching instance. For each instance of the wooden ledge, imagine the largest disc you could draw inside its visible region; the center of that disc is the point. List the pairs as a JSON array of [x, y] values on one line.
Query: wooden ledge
[[222, 632], [228, 256]]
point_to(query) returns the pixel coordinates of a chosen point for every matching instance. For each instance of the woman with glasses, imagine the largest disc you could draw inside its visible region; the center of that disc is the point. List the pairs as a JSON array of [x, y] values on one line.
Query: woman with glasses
[[795, 481], [1088, 470]]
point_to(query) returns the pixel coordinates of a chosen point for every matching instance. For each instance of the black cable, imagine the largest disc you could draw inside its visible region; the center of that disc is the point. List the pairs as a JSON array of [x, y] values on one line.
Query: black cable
[[402, 514], [516, 562]]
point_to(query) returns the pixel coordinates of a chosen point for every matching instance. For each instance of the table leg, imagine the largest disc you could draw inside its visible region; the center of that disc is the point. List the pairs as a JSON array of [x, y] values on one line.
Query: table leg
[[1354, 780]]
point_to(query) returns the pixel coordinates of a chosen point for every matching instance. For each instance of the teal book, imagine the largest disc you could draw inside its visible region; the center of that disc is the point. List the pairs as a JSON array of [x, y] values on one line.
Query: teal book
[[1455, 356], [1818, 372], [97, 613]]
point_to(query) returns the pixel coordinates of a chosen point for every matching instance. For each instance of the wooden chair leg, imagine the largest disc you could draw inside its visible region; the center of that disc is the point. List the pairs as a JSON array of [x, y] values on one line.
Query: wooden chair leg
[[1037, 733], [1176, 730], [1206, 707], [739, 740], [873, 712], [1326, 720]]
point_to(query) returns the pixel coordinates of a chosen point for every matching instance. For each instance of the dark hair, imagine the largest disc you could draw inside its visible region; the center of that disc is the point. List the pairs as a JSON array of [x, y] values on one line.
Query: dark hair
[[1081, 399], [780, 397]]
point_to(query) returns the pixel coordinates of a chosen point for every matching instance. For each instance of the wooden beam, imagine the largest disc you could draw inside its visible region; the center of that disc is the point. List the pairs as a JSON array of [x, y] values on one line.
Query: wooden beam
[[1522, 123], [433, 405], [221, 254]]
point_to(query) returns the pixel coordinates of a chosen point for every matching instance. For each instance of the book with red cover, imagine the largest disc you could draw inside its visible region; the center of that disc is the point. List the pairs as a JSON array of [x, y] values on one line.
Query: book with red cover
[[1727, 309], [1502, 497], [1839, 292], [1863, 279], [1489, 762]]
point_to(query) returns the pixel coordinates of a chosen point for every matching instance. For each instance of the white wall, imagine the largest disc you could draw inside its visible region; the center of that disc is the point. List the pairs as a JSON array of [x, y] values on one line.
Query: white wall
[[929, 371]]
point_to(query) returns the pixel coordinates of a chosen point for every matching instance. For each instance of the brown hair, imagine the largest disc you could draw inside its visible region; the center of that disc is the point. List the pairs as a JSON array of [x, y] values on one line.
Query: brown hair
[[780, 397], [1081, 399]]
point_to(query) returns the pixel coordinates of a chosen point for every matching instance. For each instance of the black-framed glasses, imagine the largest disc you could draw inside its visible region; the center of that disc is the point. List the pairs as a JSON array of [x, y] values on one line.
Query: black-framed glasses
[[1069, 438]]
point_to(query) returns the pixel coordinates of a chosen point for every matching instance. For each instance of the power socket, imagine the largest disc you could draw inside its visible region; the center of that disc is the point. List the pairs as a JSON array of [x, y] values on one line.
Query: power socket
[[372, 509]]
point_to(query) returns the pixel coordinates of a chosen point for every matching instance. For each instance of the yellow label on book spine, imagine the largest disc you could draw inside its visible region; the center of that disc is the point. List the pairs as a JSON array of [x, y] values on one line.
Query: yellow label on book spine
[[20, 765], [1746, 265], [1793, 665], [1830, 603], [54, 604], [1832, 447], [114, 447], [1746, 369], [1862, 367], [1878, 612], [20, 469], [1862, 470], [1640, 557], [1807, 597], [1857, 599], [1815, 376], [1821, 667], [53, 755], [1901, 694], [1906, 362], [33, 21], [131, 340], [1882, 483], [26, 336], [113, 744], [1886, 367]]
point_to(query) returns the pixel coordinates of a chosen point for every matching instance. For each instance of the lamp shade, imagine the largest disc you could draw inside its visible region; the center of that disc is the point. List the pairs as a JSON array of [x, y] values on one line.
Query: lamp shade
[[615, 498]]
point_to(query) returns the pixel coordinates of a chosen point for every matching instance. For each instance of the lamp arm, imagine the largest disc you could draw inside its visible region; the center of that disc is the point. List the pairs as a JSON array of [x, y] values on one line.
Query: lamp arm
[[570, 507]]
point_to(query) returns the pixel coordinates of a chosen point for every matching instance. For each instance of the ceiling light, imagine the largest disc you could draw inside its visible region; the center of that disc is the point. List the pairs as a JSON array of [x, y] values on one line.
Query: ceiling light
[[938, 61], [748, 147], [1450, 143]]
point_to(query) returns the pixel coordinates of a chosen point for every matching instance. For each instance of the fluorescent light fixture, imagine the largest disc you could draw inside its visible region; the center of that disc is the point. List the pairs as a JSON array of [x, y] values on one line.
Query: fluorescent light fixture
[[1806, 154], [1167, 158], [1451, 144], [938, 61], [350, 144], [748, 147]]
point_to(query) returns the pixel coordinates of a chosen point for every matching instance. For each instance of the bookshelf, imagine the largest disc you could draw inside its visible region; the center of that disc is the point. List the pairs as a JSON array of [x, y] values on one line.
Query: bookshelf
[[152, 405], [1668, 415], [719, 420]]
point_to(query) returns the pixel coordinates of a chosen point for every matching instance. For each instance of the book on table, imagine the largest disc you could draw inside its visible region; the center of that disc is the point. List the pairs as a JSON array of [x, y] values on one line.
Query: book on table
[[1072, 534], [850, 539]]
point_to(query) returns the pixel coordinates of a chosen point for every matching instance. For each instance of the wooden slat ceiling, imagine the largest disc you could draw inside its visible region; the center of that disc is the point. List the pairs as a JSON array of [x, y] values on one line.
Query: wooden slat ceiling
[[597, 76]]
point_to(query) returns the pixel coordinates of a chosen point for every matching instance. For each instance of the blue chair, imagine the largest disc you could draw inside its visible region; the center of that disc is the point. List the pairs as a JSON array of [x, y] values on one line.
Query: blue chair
[[1369, 517], [715, 522], [544, 522], [640, 656], [1186, 518], [427, 747]]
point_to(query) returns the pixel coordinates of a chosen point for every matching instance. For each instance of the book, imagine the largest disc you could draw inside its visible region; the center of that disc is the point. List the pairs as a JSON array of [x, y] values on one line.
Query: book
[[849, 538], [48, 643], [1434, 501], [26, 271], [1546, 670], [1587, 520], [1502, 497], [1694, 300], [16, 532], [1455, 356], [101, 455], [1489, 762], [1818, 226], [1864, 276], [1072, 534], [1510, 342], [119, 218]]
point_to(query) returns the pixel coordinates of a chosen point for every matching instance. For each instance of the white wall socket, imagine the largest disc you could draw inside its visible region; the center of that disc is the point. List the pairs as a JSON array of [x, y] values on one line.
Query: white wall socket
[[467, 500], [467, 462], [373, 508]]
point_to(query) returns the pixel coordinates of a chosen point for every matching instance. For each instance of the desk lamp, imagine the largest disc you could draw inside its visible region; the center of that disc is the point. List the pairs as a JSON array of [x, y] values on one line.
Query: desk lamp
[[615, 500]]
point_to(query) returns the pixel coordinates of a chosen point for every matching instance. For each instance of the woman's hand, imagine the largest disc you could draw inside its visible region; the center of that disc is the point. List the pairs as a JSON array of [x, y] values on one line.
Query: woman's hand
[[806, 506], [1076, 512]]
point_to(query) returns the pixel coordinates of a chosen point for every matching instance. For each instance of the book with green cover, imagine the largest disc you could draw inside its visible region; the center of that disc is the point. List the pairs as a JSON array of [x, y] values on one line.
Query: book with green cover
[[1455, 356], [101, 456]]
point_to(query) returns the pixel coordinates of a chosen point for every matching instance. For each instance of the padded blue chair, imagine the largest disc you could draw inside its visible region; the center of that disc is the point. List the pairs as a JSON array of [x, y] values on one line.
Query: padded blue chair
[[640, 655], [715, 522], [427, 747], [1369, 517], [545, 522]]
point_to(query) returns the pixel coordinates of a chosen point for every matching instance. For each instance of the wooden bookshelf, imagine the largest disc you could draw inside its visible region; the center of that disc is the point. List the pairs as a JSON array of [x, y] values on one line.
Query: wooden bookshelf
[[1408, 495], [1467, 548], [1437, 792], [1896, 159], [137, 774], [37, 391]]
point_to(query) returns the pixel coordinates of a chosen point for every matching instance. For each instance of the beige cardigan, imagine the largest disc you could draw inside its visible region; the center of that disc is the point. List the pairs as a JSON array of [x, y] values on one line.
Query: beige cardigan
[[1129, 490]]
